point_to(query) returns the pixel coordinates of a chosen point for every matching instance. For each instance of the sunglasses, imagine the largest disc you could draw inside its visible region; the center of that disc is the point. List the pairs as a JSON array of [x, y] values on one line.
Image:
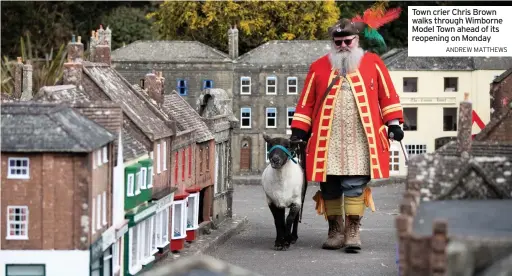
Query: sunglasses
[[346, 41]]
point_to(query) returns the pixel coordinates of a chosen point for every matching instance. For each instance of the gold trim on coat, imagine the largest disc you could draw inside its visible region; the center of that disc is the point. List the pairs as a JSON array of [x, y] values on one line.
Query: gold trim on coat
[[384, 83], [308, 90]]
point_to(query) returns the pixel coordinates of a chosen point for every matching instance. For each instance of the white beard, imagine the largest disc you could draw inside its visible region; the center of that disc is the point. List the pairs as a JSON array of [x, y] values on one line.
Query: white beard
[[347, 61]]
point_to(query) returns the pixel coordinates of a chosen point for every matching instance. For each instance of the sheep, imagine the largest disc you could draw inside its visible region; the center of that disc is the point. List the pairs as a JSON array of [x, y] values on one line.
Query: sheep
[[284, 184]]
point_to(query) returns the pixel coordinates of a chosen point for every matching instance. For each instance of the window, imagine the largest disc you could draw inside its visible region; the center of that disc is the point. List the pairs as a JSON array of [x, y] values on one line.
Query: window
[[267, 147], [144, 182], [271, 85], [245, 117], [93, 215], [245, 85], [271, 117], [18, 168], [104, 208], [154, 221], [105, 151], [107, 263], [190, 162], [292, 85], [134, 238], [17, 223], [394, 160], [131, 184], [176, 171], [150, 177], [410, 85], [138, 182], [451, 84], [449, 119], [290, 111], [201, 161], [151, 156], [98, 156], [181, 86], [415, 149], [183, 162], [25, 270], [98, 212], [116, 256], [158, 170], [207, 84], [410, 118], [207, 158], [164, 160]]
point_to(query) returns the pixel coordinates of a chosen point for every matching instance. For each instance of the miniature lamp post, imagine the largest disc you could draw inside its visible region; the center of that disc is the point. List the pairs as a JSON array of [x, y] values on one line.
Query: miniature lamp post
[[179, 221], [192, 212]]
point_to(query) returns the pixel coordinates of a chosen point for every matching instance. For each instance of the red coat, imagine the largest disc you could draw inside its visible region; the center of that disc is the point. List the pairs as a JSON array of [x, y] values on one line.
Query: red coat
[[377, 103]]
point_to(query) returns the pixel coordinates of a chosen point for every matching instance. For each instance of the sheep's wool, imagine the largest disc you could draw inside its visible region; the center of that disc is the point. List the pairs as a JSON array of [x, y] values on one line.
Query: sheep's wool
[[283, 186]]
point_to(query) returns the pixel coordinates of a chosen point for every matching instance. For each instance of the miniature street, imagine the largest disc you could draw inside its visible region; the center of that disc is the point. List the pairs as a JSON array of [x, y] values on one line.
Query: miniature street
[[252, 248]]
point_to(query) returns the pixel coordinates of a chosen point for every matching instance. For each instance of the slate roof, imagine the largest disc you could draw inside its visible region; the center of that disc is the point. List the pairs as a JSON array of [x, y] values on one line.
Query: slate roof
[[277, 52], [504, 120], [119, 90], [169, 51], [61, 93], [132, 148], [186, 117], [38, 127], [398, 59], [180, 111], [479, 149], [503, 75]]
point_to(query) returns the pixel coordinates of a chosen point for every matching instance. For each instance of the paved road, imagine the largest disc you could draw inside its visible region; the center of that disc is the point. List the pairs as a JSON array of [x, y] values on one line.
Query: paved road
[[252, 249]]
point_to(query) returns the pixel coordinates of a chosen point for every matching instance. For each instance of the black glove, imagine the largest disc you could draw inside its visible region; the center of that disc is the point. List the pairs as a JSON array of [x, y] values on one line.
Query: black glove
[[395, 132], [298, 134]]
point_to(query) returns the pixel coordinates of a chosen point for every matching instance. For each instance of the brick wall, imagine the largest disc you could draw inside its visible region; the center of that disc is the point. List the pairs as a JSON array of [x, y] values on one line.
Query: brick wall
[[502, 94], [57, 197], [162, 179]]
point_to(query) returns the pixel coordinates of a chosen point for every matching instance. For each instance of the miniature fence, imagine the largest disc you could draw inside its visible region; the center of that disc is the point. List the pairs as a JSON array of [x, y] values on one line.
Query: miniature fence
[[419, 255]]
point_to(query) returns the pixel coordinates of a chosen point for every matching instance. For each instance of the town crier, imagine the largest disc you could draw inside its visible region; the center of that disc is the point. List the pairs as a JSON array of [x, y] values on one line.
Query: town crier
[[346, 104]]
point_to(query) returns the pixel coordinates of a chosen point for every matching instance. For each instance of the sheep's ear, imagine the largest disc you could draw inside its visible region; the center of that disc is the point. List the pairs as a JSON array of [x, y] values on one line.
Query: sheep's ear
[[266, 137]]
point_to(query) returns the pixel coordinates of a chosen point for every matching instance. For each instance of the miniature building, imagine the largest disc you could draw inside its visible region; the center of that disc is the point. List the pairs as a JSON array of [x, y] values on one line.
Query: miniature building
[[215, 108], [452, 216], [56, 191], [501, 93]]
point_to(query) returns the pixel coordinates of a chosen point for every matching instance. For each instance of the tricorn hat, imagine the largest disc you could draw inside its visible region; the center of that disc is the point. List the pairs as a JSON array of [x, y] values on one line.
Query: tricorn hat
[[345, 27], [367, 25]]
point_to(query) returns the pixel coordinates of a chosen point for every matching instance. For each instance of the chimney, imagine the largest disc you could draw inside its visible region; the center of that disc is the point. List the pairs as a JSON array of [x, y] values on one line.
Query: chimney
[[76, 49], [72, 73], [27, 82], [233, 42], [154, 85], [464, 138], [18, 78], [102, 53]]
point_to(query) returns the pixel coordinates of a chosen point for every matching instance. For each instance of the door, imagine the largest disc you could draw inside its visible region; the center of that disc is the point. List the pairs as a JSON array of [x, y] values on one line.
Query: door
[[245, 155]]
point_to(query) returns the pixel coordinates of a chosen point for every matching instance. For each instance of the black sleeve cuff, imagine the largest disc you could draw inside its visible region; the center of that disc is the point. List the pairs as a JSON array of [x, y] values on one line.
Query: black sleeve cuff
[[300, 134]]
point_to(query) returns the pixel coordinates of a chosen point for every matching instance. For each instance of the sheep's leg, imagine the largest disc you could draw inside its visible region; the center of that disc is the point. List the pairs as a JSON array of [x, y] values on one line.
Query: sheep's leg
[[279, 221], [295, 236], [292, 220]]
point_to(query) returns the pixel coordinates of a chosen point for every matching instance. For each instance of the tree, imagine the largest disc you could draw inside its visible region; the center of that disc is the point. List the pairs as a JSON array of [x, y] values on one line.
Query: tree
[[257, 21], [127, 25]]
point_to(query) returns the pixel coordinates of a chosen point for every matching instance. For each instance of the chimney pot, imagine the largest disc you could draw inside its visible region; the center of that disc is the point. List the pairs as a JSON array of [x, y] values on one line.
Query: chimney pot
[[73, 38], [27, 82], [79, 39], [19, 60]]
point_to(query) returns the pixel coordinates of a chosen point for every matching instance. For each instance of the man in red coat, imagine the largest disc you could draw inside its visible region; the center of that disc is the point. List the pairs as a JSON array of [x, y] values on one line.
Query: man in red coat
[[345, 127]]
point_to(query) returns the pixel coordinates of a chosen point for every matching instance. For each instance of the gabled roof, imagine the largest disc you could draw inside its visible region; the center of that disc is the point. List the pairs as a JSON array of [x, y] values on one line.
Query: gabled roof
[[276, 52], [61, 93], [398, 59], [479, 149], [119, 90], [503, 76], [169, 51], [186, 116], [504, 120], [38, 127]]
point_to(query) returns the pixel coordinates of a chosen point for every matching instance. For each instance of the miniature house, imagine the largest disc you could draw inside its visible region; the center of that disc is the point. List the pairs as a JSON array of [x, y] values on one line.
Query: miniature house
[[179, 222], [192, 213]]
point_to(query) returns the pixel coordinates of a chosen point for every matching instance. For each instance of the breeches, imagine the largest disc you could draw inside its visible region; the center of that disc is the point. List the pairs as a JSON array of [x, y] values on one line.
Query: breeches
[[349, 186]]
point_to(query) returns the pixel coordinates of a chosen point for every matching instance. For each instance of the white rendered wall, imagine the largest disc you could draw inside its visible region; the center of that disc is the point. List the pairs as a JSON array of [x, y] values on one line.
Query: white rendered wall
[[57, 262]]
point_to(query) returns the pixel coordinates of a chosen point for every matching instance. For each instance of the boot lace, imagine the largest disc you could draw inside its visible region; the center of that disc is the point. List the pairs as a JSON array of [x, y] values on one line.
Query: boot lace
[[353, 228]]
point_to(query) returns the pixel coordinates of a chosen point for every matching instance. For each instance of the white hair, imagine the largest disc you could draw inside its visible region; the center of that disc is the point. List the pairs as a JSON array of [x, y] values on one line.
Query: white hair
[[347, 61]]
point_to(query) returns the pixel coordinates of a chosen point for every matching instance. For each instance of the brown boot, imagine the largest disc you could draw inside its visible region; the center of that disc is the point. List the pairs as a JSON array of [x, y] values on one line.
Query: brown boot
[[335, 237], [352, 237]]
